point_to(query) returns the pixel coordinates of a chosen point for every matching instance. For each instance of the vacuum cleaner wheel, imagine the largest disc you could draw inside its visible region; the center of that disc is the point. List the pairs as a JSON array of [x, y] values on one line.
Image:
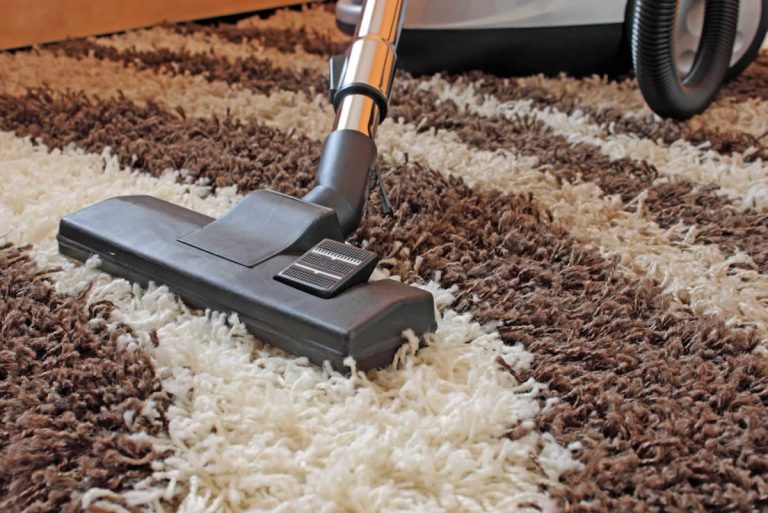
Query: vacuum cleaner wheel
[[750, 33], [674, 83], [753, 26]]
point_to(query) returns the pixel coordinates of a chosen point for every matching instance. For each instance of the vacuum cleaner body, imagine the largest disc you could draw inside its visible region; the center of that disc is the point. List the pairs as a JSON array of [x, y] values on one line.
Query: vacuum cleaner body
[[681, 50], [518, 37], [277, 261]]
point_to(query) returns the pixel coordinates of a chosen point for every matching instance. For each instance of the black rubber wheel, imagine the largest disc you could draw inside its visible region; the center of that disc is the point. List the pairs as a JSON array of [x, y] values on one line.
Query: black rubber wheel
[[754, 48], [666, 92]]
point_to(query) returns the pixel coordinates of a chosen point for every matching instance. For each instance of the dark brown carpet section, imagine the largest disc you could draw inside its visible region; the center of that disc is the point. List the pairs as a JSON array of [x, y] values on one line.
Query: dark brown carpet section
[[284, 40], [717, 219], [666, 130], [65, 386], [753, 83], [152, 139], [250, 73], [669, 407]]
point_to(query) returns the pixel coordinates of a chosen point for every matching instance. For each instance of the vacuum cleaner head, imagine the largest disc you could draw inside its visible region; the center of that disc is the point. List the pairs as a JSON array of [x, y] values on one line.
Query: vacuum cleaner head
[[250, 261]]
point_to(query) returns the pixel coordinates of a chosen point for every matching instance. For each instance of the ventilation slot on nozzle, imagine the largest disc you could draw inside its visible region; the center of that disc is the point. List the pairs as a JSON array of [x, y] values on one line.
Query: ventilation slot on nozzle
[[329, 268]]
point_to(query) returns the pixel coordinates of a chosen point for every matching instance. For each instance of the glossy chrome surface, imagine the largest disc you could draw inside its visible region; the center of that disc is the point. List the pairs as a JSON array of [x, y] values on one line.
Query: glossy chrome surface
[[371, 58], [370, 62], [382, 19], [357, 112]]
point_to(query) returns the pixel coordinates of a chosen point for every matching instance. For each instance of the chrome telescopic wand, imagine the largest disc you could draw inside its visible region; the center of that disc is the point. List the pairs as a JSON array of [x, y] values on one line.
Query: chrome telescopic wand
[[366, 84]]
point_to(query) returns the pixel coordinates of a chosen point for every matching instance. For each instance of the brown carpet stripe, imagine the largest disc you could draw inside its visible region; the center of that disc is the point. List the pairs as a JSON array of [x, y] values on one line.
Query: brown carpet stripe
[[257, 75], [653, 128], [154, 140], [650, 392], [283, 40], [668, 131], [751, 84], [66, 389]]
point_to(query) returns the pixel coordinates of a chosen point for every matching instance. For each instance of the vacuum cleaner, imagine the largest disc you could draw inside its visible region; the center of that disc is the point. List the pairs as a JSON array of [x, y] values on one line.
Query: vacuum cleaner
[[281, 262], [681, 51]]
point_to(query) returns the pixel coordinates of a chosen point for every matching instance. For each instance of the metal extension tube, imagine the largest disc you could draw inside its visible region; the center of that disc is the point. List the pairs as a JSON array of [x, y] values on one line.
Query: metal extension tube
[[363, 95]]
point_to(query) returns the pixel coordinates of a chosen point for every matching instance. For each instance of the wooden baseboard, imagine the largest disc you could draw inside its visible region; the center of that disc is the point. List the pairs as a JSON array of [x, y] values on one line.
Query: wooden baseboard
[[28, 22]]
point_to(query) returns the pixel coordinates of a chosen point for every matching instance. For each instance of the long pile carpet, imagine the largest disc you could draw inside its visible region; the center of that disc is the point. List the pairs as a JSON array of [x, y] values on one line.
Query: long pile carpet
[[601, 277]]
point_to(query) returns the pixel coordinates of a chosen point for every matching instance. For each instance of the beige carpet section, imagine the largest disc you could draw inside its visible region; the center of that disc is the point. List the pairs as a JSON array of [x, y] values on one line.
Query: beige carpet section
[[601, 278]]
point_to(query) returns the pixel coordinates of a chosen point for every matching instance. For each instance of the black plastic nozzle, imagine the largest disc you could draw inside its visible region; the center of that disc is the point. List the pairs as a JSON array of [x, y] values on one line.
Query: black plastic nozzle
[[138, 237]]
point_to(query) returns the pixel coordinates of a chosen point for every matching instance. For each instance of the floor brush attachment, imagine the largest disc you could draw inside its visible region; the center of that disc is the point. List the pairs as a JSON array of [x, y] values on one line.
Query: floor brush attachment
[[280, 262]]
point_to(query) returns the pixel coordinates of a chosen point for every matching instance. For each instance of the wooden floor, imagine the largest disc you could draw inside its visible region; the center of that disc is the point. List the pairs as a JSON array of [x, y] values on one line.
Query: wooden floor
[[28, 22]]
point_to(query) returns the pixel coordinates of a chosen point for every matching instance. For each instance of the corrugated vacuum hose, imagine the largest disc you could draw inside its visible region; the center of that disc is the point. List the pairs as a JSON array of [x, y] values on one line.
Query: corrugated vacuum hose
[[668, 90]]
